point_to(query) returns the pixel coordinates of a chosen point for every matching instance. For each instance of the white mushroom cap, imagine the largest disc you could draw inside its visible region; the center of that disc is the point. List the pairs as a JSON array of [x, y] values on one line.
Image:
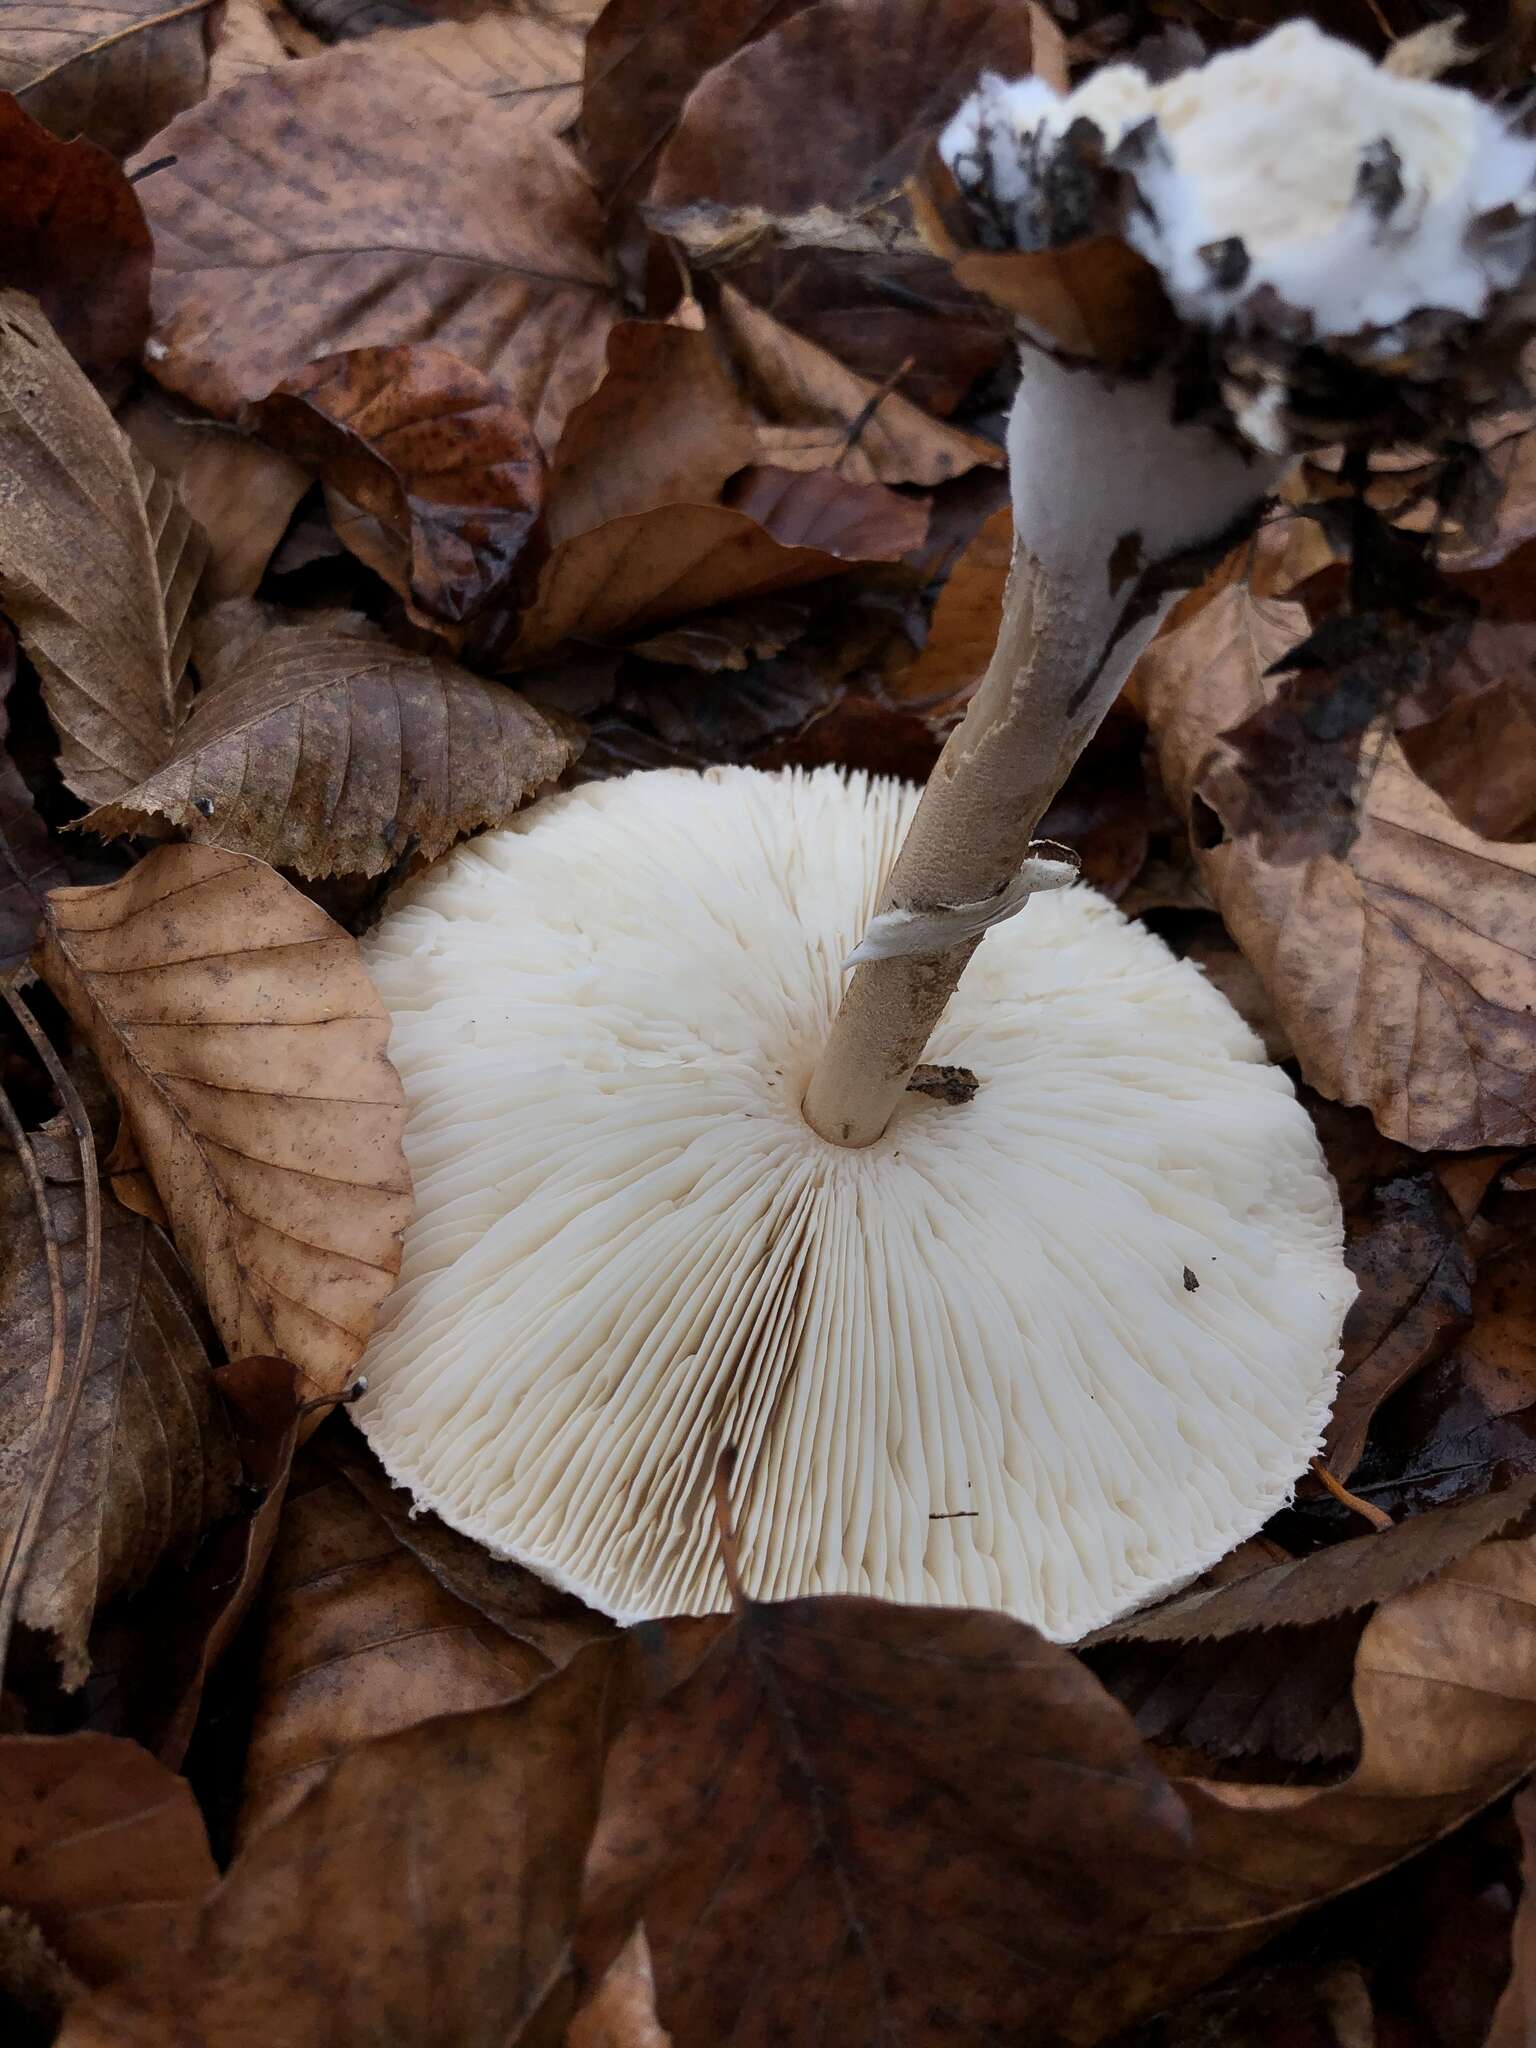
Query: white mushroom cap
[[963, 1366], [1295, 167]]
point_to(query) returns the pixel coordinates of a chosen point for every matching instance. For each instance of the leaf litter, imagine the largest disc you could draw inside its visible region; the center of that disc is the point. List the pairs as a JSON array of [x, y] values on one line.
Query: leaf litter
[[416, 408]]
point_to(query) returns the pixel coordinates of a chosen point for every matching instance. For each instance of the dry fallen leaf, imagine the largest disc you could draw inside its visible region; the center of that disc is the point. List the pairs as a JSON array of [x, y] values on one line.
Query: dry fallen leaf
[[1399, 971], [240, 492], [113, 73], [98, 562], [318, 744], [148, 1463], [817, 1853], [1514, 2022], [247, 1048], [246, 41], [526, 62], [29, 864], [964, 628], [348, 201], [825, 417], [431, 449]]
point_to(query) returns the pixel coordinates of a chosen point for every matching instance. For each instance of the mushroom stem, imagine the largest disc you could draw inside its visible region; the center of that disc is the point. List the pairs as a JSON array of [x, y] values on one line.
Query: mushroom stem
[[1116, 510]]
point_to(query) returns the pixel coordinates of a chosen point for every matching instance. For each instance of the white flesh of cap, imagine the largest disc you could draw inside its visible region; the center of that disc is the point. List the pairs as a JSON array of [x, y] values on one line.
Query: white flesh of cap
[[962, 1366]]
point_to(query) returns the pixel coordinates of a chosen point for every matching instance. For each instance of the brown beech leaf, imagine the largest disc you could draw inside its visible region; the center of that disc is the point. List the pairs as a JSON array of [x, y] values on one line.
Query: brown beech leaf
[[665, 424], [965, 622], [247, 41], [247, 1048], [322, 746], [72, 233], [527, 62], [1478, 752], [1401, 972], [104, 1850], [817, 1853], [430, 448], [634, 572], [359, 1640], [642, 62], [29, 865], [240, 492], [423, 1891], [149, 1462], [824, 416], [395, 208], [1514, 2020], [113, 73], [98, 563]]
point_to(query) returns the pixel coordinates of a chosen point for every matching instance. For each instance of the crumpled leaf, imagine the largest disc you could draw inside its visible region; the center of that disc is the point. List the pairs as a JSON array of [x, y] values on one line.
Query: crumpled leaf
[[430, 448], [104, 1850], [359, 1640], [98, 563], [1398, 972], [246, 1045], [72, 234], [396, 208], [148, 1463], [320, 745], [826, 417], [423, 1891], [636, 571], [665, 424], [816, 1854], [113, 73], [240, 492]]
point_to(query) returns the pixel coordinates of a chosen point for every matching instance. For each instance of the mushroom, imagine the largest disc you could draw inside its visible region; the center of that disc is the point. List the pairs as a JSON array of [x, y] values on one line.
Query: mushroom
[[1051, 1344]]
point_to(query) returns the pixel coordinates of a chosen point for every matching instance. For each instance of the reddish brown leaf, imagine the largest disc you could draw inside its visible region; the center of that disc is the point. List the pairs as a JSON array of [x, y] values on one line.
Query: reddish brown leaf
[[113, 73], [816, 1852], [72, 234], [104, 1849], [430, 448], [965, 622], [525, 60], [1479, 752], [397, 208], [318, 744], [665, 424]]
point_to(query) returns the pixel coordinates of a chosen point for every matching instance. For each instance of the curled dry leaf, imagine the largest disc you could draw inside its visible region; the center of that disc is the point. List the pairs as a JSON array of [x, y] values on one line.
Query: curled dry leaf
[[396, 208], [1399, 971], [825, 417], [800, 1778], [98, 563], [431, 449], [112, 73], [634, 572], [322, 746], [359, 1640], [423, 1891], [149, 1462], [247, 1048], [104, 1850], [73, 235], [524, 61], [240, 492], [665, 424]]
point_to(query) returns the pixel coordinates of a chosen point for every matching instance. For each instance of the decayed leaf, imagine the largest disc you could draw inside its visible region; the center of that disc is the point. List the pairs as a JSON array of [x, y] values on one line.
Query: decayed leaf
[[149, 1463], [526, 62], [72, 233], [247, 1048], [424, 1891], [641, 64], [1400, 972], [826, 417], [665, 424], [114, 73], [395, 208], [965, 621], [853, 1821], [636, 571], [104, 1850], [322, 746], [240, 492], [359, 1640], [29, 866], [98, 562], [431, 449]]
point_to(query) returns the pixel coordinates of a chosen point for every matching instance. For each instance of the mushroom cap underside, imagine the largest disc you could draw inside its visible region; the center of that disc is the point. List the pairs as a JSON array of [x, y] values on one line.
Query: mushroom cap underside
[[1052, 1350]]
